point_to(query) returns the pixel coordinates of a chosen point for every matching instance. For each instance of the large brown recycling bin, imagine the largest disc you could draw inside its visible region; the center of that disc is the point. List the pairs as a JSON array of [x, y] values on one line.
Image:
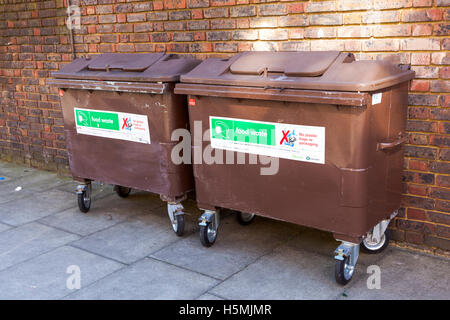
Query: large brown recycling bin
[[119, 112], [337, 126]]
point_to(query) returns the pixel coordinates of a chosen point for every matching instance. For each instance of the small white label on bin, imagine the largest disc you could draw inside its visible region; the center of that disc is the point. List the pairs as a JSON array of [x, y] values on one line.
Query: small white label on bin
[[281, 140], [114, 125], [376, 98]]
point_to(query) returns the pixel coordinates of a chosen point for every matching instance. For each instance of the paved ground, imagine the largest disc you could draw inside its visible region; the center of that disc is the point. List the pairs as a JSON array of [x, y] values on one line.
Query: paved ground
[[125, 249]]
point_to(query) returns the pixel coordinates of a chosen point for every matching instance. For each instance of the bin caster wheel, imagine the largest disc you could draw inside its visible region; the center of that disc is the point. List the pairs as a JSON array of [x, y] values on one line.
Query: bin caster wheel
[[209, 226], [122, 192], [370, 246], [176, 216], [346, 257], [208, 235], [245, 218], [343, 271], [84, 197]]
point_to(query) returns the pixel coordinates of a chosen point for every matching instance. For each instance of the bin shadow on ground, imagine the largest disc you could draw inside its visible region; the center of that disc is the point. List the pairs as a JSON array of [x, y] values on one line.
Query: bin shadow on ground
[[126, 249]]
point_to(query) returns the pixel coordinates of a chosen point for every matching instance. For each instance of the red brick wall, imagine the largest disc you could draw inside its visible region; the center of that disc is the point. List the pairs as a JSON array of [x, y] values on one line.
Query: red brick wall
[[34, 41]]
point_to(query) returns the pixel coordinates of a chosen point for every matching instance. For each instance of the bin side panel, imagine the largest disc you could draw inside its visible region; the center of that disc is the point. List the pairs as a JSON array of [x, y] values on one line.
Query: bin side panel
[[132, 164], [304, 193], [397, 126]]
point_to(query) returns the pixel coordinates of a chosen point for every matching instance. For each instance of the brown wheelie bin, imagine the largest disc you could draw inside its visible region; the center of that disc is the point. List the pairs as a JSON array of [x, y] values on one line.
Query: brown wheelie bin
[[119, 112], [335, 124]]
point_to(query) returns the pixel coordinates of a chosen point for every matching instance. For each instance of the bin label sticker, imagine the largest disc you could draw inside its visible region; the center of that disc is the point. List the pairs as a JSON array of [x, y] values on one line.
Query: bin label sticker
[[376, 98], [114, 125], [288, 141]]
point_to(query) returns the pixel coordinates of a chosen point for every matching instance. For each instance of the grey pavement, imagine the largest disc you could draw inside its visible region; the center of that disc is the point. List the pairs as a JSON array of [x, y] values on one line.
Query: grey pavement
[[126, 249]]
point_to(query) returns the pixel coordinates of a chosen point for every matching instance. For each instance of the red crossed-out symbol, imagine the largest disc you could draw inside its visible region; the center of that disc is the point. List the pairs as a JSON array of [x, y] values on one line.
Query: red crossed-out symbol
[[285, 134], [124, 122]]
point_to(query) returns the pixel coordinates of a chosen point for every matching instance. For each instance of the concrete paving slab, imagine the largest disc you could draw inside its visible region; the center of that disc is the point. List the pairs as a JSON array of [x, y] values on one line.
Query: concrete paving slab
[[148, 279], [28, 241], [104, 213], [12, 195], [45, 277], [132, 239], [35, 206], [4, 227], [13, 171], [406, 276], [208, 296], [286, 273], [236, 246], [33, 181]]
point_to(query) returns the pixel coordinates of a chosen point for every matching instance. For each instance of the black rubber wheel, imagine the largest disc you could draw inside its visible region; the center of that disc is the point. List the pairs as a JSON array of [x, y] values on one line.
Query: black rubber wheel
[[342, 277], [122, 192], [84, 203], [178, 226], [370, 248], [245, 218], [207, 235]]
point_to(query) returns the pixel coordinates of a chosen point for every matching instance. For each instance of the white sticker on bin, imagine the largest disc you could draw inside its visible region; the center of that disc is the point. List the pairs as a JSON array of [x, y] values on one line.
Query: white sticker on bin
[[376, 98], [281, 140], [113, 125]]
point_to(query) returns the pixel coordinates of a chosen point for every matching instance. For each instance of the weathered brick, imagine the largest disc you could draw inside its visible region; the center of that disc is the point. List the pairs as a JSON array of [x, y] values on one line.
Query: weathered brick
[[216, 13], [157, 16], [426, 71], [350, 5], [420, 44], [218, 35], [391, 4], [183, 36], [322, 6], [293, 21], [226, 47], [329, 32], [272, 9], [136, 17], [418, 177], [420, 152], [247, 11], [107, 19], [179, 15], [223, 24], [198, 25], [273, 34], [354, 32], [391, 30], [380, 45], [422, 3], [422, 29], [263, 22], [440, 86], [295, 46], [422, 15], [420, 85], [295, 8], [440, 58], [198, 3], [419, 58], [175, 25], [245, 35], [380, 17], [322, 45], [217, 3], [174, 4], [326, 19]]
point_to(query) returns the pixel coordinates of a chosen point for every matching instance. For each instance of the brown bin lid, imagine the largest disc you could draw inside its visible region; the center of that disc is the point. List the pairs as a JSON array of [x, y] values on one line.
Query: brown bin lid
[[316, 70], [299, 64], [142, 67]]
